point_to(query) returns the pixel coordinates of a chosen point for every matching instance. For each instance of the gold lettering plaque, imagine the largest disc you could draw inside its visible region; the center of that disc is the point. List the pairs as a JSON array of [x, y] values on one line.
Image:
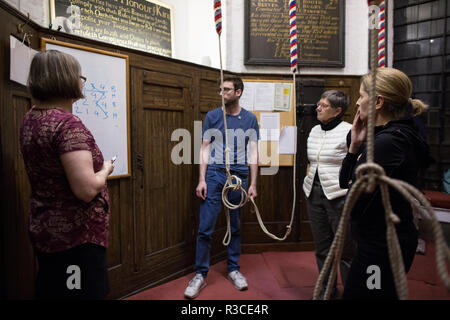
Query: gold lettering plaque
[[320, 32], [137, 24]]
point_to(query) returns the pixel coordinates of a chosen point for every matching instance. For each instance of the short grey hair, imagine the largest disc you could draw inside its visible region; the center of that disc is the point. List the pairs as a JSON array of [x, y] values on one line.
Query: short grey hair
[[338, 99]]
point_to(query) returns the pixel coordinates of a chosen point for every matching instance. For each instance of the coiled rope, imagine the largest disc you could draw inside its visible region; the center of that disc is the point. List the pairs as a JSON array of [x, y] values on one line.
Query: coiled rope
[[368, 176]]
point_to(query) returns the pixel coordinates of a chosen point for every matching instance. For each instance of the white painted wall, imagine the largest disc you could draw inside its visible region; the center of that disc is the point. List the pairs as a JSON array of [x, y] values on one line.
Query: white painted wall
[[38, 9], [196, 40]]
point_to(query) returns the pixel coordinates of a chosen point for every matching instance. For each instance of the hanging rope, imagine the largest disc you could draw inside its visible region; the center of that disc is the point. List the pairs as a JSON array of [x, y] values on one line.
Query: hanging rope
[[233, 182], [368, 176]]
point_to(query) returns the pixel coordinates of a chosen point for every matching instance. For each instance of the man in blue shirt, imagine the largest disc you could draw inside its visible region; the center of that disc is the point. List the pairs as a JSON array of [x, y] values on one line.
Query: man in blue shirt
[[243, 134]]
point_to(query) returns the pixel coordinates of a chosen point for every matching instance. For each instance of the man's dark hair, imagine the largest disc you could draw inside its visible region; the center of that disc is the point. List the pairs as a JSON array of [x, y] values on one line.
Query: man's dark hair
[[237, 82]]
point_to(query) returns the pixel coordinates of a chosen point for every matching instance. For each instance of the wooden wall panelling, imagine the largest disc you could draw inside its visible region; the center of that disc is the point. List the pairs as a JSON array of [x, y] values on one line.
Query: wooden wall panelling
[[18, 264], [120, 250], [274, 201], [19, 257], [163, 193], [3, 206], [305, 88], [26, 261]]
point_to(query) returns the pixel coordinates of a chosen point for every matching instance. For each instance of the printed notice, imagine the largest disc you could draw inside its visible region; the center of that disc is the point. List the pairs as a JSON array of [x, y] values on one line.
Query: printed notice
[[283, 96], [287, 140], [264, 96], [247, 100], [270, 126]]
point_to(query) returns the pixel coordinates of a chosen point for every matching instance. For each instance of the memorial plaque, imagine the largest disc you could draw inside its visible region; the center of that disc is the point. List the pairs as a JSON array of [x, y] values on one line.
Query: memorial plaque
[[136, 24], [320, 32]]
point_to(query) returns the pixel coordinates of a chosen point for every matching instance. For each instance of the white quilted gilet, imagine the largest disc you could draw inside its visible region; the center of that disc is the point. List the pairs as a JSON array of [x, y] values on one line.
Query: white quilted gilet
[[326, 150]]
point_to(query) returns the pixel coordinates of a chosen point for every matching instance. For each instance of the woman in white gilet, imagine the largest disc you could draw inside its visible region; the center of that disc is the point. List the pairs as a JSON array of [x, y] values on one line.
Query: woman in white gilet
[[327, 148]]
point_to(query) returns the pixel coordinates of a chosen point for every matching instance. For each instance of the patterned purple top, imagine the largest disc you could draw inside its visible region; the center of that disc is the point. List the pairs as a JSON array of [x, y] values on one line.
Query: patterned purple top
[[58, 219]]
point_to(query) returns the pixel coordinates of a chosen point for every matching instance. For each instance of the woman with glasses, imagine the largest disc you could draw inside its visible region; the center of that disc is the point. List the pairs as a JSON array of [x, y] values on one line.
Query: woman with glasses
[[69, 202], [326, 148]]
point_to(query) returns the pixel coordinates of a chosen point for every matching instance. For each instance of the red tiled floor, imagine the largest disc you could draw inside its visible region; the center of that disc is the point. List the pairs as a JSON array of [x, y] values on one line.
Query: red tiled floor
[[289, 276]]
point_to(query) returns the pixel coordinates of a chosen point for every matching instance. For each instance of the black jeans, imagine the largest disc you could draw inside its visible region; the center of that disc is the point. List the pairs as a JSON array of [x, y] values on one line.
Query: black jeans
[[79, 273], [374, 252], [324, 216]]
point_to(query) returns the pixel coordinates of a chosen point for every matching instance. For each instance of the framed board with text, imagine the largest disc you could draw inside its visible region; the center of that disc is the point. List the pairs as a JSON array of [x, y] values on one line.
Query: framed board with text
[[145, 25], [320, 33], [104, 110]]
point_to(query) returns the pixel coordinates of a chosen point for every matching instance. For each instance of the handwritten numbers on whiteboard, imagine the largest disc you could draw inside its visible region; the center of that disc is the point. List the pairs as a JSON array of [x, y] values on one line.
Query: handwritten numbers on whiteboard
[[99, 98]]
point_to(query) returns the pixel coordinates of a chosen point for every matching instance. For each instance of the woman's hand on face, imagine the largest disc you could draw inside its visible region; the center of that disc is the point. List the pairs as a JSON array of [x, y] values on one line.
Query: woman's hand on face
[[359, 133]]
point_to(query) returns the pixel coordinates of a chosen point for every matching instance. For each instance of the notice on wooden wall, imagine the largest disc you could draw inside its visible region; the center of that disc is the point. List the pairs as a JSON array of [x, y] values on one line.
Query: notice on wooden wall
[[320, 32], [267, 96], [136, 24]]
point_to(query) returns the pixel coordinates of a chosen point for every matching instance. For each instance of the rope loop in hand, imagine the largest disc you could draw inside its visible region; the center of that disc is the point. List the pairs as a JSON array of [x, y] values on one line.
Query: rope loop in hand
[[231, 186]]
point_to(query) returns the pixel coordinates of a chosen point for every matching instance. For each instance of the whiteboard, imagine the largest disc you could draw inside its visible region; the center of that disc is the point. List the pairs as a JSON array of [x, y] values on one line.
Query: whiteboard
[[105, 108]]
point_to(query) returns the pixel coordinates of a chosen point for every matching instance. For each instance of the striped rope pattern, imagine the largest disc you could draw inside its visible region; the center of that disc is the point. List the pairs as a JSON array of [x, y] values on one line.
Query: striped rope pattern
[[293, 34], [382, 37], [218, 16]]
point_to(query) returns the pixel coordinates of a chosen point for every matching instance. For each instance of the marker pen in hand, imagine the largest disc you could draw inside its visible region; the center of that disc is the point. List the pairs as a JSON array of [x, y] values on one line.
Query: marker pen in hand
[[113, 159]]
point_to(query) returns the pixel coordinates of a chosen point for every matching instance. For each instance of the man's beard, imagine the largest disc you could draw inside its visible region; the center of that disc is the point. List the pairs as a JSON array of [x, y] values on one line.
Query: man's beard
[[230, 102]]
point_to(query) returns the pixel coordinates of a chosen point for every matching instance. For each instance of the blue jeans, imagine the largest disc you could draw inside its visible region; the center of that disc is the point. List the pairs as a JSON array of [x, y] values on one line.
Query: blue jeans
[[209, 210]]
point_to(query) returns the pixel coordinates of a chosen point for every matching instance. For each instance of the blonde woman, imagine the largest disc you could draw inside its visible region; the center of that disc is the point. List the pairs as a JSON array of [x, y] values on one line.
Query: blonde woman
[[325, 199], [402, 152]]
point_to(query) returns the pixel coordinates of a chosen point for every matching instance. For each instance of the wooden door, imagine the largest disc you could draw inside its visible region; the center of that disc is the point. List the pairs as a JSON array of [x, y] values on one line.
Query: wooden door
[[164, 222]]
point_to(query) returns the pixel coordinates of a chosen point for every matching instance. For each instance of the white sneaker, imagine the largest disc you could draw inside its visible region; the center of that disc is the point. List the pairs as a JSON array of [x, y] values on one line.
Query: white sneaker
[[195, 286], [238, 280]]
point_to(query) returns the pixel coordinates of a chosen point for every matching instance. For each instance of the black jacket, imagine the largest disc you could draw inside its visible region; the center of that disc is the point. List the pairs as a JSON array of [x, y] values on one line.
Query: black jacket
[[402, 152]]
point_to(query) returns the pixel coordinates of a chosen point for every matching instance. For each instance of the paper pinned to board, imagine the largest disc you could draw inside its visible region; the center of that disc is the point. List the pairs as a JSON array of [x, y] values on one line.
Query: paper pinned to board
[[247, 100], [287, 140], [283, 96], [264, 96], [20, 56], [269, 126]]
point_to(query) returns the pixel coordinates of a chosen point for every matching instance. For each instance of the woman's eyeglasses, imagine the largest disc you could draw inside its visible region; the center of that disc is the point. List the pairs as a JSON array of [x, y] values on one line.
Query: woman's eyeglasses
[[83, 79], [322, 105]]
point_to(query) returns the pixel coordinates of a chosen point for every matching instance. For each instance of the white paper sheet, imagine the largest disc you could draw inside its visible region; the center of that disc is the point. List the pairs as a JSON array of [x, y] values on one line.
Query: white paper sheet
[[287, 140], [269, 126], [247, 100], [21, 56], [264, 96], [37, 11], [283, 96]]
